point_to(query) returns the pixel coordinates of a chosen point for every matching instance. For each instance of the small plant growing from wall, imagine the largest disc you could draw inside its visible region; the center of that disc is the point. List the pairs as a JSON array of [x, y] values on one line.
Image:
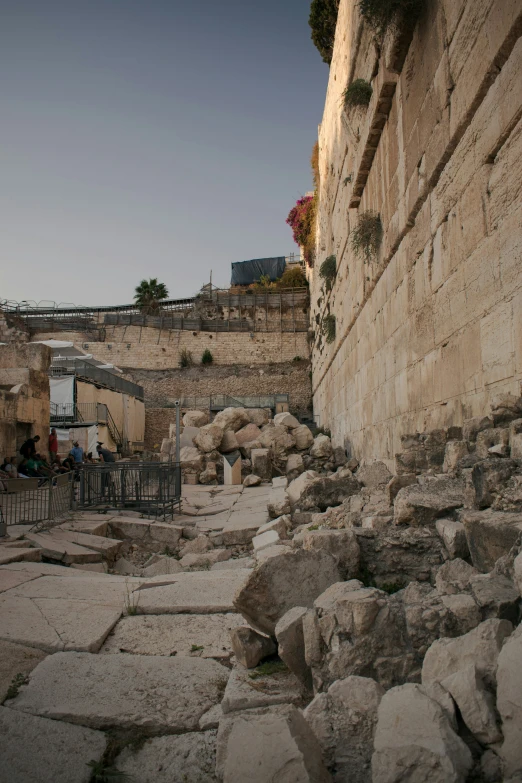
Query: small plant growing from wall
[[382, 14], [207, 357], [328, 328], [185, 358], [328, 271], [358, 93], [367, 235]]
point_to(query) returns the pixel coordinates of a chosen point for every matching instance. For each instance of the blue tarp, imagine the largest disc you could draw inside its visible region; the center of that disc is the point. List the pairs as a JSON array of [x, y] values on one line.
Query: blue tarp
[[247, 272]]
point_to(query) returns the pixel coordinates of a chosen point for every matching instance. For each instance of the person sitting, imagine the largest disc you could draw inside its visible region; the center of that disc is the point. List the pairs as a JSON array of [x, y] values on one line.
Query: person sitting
[[58, 466], [33, 468], [23, 469], [68, 464], [104, 454], [43, 466], [77, 453]]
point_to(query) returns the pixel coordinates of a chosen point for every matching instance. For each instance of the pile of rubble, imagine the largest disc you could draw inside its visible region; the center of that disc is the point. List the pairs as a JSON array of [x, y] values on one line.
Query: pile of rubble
[[280, 446]]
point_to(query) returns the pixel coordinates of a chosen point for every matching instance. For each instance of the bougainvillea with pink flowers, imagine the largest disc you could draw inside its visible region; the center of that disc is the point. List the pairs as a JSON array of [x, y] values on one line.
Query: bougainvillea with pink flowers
[[301, 220]]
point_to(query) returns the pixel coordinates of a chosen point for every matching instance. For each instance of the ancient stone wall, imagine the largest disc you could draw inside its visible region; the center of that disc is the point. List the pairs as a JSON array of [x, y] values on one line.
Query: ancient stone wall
[[429, 330]]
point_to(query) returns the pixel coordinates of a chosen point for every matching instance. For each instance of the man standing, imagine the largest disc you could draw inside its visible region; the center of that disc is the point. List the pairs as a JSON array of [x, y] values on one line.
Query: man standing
[[77, 453], [53, 445], [28, 449], [104, 454]]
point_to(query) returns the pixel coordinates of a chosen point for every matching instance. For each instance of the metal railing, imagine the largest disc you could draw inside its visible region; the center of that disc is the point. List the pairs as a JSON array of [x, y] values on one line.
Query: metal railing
[[65, 413], [34, 500], [84, 369], [150, 487], [218, 402]]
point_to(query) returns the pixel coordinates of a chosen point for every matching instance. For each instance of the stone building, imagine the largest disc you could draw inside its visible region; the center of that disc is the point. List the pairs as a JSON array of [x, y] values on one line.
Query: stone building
[[428, 328]]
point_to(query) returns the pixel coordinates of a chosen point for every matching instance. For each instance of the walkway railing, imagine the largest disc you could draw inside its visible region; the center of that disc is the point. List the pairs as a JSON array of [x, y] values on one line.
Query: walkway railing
[[83, 369], [218, 402], [33, 500]]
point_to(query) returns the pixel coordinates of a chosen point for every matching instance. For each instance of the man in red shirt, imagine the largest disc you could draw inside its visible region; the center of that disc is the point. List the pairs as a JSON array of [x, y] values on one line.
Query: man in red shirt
[[53, 445]]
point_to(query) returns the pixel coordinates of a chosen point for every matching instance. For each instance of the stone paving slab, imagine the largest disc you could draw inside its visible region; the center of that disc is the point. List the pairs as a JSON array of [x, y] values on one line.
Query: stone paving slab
[[16, 659], [108, 547], [155, 693], [48, 569], [190, 758], [9, 555], [243, 692], [174, 635], [42, 750], [197, 592], [94, 588], [94, 527], [64, 551], [55, 624], [9, 579]]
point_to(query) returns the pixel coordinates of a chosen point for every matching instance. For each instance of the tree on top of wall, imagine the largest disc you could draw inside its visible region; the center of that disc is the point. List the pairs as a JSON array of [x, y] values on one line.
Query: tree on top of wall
[[149, 294], [322, 21]]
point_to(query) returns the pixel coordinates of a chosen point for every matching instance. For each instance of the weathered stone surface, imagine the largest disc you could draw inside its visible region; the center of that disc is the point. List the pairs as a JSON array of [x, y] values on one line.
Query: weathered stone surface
[[480, 647], [490, 535], [516, 445], [209, 475], [189, 758], [252, 481], [197, 592], [292, 578], [414, 741], [174, 635], [278, 503], [16, 659], [371, 474], [229, 442], [195, 419], [162, 565], [268, 744], [303, 437], [296, 487], [472, 427], [282, 525], [287, 420], [517, 572], [290, 642], [398, 482], [476, 704], [191, 459], [509, 701], [322, 447], [455, 451], [108, 547], [341, 544], [99, 691], [294, 466], [56, 549], [258, 416], [488, 477], [397, 555], [247, 434], [232, 419], [38, 749], [277, 438], [209, 437], [344, 720], [247, 690], [261, 463], [147, 533], [250, 647], [488, 438], [423, 504], [454, 577], [453, 534], [206, 559], [496, 596], [239, 562], [268, 538], [326, 491]]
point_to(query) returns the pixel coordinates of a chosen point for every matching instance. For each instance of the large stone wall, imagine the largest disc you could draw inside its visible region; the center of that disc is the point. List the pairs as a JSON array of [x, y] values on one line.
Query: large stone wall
[[430, 330]]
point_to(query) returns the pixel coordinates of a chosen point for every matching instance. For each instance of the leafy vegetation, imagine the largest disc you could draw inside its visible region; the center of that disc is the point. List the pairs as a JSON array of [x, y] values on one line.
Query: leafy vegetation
[[328, 271], [292, 278], [358, 93], [267, 668], [104, 774], [367, 235], [382, 14], [149, 294], [207, 357], [322, 21], [328, 328], [197, 647], [185, 358], [301, 220], [16, 683]]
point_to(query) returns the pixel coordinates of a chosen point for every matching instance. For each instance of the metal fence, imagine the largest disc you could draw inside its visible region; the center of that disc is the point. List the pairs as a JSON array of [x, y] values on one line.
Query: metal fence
[[64, 413], [150, 487], [33, 500], [83, 369], [218, 402]]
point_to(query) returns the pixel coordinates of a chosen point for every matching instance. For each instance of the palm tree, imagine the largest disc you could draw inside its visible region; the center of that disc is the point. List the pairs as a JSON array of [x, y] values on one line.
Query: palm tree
[[149, 294]]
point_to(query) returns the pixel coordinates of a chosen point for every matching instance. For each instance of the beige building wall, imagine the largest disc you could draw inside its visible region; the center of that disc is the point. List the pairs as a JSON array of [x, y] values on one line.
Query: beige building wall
[[127, 412], [429, 331]]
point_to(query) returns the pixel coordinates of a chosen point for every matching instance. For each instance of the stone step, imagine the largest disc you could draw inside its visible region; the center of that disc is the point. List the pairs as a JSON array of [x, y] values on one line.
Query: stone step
[[15, 543], [108, 547], [196, 592], [93, 527], [15, 555], [65, 551]]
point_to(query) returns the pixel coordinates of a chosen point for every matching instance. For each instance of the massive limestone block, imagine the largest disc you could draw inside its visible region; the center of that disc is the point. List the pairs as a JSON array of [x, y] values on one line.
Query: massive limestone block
[[278, 503], [189, 757], [294, 466], [261, 463], [258, 416], [496, 596], [342, 544], [277, 438], [268, 744], [509, 701], [229, 442], [232, 419], [371, 474], [290, 578], [423, 504], [472, 427], [303, 437], [481, 647], [326, 491], [414, 741], [250, 647], [286, 420], [453, 535], [488, 477], [191, 459], [344, 720], [454, 577], [296, 487], [290, 643], [455, 451], [322, 447], [247, 434], [266, 690], [475, 702], [489, 438], [490, 535], [195, 419], [209, 437]]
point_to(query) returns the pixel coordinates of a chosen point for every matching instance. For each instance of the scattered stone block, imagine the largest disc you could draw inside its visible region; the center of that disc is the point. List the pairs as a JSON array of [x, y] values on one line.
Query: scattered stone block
[[197, 592], [61, 550], [250, 647], [454, 577], [491, 535], [269, 538], [206, 559], [278, 503], [491, 437], [209, 475], [326, 491], [341, 544], [229, 442], [476, 704], [422, 505], [372, 474], [103, 691], [265, 744], [261, 463], [252, 481], [303, 437], [258, 416], [294, 466], [322, 447], [189, 757], [247, 434], [108, 547], [195, 419], [398, 482], [282, 525], [509, 701], [39, 749], [488, 477], [453, 535], [16, 555], [209, 437], [162, 565], [496, 596], [296, 487], [472, 427], [250, 689], [290, 643], [454, 452], [232, 419], [286, 420]]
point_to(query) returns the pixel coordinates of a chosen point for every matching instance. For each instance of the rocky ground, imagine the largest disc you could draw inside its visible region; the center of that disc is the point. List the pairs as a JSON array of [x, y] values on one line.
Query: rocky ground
[[333, 623]]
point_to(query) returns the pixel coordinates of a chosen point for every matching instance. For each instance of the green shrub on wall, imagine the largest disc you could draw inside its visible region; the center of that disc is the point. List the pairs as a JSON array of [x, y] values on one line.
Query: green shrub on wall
[[185, 358], [207, 357], [328, 271], [382, 14], [367, 235], [322, 21], [358, 93], [328, 328]]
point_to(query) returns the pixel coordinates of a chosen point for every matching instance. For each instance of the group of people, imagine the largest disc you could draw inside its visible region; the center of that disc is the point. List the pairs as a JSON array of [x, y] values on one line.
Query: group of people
[[33, 465]]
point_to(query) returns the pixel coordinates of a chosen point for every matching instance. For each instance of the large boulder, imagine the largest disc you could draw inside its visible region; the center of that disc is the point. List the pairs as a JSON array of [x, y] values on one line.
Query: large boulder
[[475, 702], [491, 535], [509, 701], [303, 437], [249, 646], [488, 477], [232, 419], [326, 491], [415, 741], [290, 578], [322, 447], [294, 466], [286, 420], [277, 438], [472, 427], [453, 534], [247, 434], [191, 460], [261, 463], [423, 504], [341, 544], [195, 419], [398, 555], [344, 720], [290, 643], [296, 487], [278, 503], [371, 474], [209, 437], [268, 744], [229, 442], [258, 416]]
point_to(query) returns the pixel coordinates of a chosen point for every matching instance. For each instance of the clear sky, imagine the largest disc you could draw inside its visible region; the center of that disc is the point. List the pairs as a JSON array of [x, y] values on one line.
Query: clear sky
[[150, 138]]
